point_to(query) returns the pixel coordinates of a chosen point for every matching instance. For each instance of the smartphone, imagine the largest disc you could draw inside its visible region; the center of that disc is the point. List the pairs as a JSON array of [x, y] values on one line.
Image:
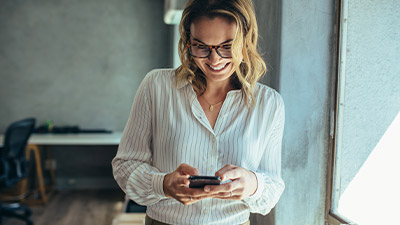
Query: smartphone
[[201, 181]]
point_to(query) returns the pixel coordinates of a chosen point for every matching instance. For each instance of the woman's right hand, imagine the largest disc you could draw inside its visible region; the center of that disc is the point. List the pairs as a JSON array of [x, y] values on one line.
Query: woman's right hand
[[176, 185]]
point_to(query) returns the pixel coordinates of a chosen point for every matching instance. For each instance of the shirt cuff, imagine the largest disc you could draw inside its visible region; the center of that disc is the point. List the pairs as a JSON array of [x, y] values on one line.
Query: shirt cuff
[[157, 183], [260, 188]]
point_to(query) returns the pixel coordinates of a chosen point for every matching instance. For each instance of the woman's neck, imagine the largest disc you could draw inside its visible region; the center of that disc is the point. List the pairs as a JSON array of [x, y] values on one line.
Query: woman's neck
[[217, 90]]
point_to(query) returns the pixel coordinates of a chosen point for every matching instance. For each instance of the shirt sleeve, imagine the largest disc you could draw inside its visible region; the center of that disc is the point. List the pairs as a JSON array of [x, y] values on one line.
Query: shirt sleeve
[[132, 167], [270, 183]]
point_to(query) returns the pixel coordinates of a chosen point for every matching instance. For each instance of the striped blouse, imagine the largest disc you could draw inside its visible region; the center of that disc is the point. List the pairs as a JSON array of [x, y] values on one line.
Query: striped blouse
[[167, 127]]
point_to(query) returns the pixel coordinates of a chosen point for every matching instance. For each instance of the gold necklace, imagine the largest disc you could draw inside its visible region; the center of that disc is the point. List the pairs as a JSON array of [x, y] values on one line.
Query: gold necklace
[[211, 107]]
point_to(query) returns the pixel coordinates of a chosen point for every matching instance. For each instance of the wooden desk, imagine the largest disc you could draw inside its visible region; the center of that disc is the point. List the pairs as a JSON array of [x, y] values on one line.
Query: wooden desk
[[72, 139], [36, 141]]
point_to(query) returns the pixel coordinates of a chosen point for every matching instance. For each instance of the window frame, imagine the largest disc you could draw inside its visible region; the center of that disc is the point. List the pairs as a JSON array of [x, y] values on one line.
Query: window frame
[[339, 62]]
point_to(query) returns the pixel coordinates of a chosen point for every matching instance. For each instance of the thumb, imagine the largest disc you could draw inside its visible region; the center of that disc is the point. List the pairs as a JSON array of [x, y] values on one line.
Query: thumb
[[185, 169]]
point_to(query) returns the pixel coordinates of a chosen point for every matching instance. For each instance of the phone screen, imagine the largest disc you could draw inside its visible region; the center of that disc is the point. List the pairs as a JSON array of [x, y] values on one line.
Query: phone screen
[[201, 181]]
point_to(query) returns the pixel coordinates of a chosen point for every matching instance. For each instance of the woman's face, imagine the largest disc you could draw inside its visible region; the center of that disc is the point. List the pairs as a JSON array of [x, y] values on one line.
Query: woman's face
[[216, 31]]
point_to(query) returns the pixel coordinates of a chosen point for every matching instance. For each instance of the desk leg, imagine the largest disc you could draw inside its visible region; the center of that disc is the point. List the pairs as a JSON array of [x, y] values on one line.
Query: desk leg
[[39, 171], [53, 184]]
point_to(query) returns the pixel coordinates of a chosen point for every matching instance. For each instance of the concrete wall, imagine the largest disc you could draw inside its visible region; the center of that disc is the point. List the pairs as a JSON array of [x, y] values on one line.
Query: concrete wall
[[305, 81], [305, 84], [300, 41], [372, 78], [78, 63], [269, 16]]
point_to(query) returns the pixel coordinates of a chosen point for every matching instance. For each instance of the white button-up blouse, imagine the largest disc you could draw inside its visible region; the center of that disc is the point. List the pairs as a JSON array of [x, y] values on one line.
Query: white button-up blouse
[[167, 127]]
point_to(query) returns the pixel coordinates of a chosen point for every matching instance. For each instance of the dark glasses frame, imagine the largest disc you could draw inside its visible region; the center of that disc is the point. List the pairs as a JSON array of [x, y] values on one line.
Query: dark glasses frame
[[210, 48]]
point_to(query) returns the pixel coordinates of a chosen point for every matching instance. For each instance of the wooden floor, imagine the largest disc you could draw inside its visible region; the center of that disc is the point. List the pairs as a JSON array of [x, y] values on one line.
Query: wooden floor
[[94, 207]]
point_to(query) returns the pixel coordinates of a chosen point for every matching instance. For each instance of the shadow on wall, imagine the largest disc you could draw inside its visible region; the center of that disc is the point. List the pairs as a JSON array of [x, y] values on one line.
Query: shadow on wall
[[269, 219]]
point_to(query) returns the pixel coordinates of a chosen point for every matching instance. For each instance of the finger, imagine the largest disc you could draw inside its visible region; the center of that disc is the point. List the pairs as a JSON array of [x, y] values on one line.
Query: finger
[[185, 200], [188, 200], [233, 173], [185, 169], [186, 191], [223, 170], [198, 198], [227, 187], [205, 196], [183, 181], [194, 192], [228, 194], [234, 197], [194, 195]]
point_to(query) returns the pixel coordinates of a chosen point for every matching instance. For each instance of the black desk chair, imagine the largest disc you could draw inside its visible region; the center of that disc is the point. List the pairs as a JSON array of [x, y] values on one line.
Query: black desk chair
[[13, 165]]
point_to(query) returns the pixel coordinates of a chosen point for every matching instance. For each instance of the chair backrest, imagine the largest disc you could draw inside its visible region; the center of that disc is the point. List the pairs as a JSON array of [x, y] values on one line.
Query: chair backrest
[[12, 156]]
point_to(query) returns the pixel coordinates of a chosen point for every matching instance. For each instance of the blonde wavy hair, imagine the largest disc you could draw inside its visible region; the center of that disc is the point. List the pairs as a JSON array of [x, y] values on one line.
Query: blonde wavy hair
[[249, 70]]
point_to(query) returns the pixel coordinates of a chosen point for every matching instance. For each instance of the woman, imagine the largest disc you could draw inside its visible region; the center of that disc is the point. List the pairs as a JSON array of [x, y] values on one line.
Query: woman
[[208, 117]]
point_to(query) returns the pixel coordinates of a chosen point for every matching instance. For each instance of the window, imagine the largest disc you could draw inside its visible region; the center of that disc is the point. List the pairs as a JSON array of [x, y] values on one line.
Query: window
[[365, 180]]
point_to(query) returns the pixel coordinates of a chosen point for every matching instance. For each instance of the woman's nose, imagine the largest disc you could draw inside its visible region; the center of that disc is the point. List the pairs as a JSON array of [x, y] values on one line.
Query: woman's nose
[[214, 57]]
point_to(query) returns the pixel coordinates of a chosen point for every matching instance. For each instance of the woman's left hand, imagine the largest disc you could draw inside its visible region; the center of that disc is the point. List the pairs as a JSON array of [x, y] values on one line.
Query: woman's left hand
[[244, 183]]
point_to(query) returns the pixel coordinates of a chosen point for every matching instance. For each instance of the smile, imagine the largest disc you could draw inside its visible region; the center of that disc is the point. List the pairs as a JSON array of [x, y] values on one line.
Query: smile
[[218, 68]]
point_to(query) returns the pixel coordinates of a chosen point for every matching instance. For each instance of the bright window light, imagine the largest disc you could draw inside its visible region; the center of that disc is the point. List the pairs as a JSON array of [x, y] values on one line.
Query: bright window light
[[373, 196]]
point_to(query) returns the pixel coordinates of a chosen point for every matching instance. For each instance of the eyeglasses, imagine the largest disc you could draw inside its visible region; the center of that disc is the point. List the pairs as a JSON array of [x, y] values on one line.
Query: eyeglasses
[[203, 51]]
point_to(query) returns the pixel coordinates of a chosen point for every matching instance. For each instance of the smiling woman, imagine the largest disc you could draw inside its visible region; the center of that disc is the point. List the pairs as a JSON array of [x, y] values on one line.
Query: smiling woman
[[217, 66], [208, 117], [213, 20]]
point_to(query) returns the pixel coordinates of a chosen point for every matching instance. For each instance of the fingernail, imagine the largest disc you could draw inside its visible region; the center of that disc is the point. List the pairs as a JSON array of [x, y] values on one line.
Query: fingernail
[[206, 189]]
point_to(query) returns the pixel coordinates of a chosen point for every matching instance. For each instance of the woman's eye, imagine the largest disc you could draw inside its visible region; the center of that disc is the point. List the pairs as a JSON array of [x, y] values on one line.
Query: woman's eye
[[202, 46], [226, 47]]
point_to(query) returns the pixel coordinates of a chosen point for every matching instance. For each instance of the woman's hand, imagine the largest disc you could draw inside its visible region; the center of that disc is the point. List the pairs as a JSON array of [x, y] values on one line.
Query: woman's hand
[[176, 185], [244, 183]]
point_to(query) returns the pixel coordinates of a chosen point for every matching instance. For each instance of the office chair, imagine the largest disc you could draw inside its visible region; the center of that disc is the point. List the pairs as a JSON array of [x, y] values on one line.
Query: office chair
[[13, 165]]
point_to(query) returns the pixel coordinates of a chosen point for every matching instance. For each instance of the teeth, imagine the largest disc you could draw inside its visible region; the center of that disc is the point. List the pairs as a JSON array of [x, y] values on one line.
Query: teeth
[[218, 68]]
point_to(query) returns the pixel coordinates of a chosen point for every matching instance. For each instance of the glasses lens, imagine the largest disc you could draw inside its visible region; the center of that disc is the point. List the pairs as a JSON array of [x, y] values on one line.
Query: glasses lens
[[203, 51], [225, 51], [199, 50]]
